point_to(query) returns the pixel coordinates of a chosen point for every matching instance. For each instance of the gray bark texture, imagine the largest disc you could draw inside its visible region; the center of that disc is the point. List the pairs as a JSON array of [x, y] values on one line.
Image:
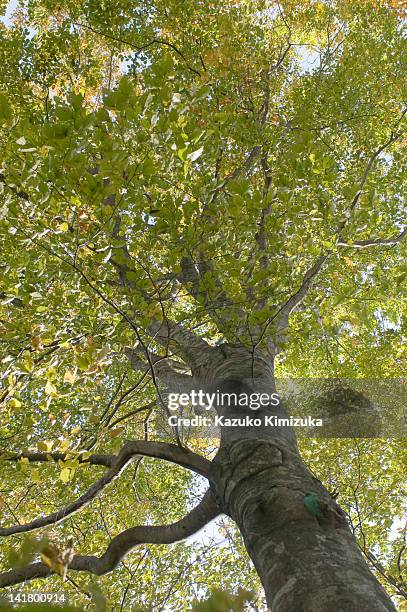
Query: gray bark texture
[[306, 562]]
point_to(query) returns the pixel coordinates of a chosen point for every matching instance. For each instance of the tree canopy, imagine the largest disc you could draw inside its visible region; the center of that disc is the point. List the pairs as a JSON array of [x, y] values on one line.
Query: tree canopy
[[231, 169]]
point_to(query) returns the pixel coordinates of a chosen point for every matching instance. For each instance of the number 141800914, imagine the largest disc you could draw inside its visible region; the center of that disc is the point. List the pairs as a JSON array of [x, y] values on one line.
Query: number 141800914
[[36, 597]]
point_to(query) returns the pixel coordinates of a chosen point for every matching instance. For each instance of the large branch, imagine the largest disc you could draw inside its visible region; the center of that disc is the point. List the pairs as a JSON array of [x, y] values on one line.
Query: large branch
[[298, 296], [393, 137], [162, 331], [123, 543], [161, 450], [255, 151], [97, 459], [193, 271], [282, 316], [194, 349], [167, 370], [191, 276], [378, 242]]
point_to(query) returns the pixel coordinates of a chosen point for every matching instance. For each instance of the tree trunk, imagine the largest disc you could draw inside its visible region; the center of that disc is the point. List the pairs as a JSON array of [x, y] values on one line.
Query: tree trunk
[[307, 558]]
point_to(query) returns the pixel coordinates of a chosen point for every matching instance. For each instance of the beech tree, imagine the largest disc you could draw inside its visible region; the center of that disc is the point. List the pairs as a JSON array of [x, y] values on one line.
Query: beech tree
[[198, 195]]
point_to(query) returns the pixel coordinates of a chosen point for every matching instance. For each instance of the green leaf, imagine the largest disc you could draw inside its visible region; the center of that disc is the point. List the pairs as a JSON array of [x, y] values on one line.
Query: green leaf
[[5, 108]]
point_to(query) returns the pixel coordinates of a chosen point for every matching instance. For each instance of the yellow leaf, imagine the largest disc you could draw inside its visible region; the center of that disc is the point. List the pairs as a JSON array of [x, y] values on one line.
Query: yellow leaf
[[69, 377], [63, 227], [57, 559], [64, 445], [45, 446], [49, 556], [51, 373], [115, 432], [51, 389], [28, 362], [65, 474]]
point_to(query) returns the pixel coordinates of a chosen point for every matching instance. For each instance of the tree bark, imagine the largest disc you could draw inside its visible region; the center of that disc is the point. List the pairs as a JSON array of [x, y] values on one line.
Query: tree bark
[[307, 561]]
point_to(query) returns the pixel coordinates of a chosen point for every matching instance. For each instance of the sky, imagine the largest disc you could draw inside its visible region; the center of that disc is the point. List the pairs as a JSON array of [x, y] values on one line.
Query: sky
[[6, 19]]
